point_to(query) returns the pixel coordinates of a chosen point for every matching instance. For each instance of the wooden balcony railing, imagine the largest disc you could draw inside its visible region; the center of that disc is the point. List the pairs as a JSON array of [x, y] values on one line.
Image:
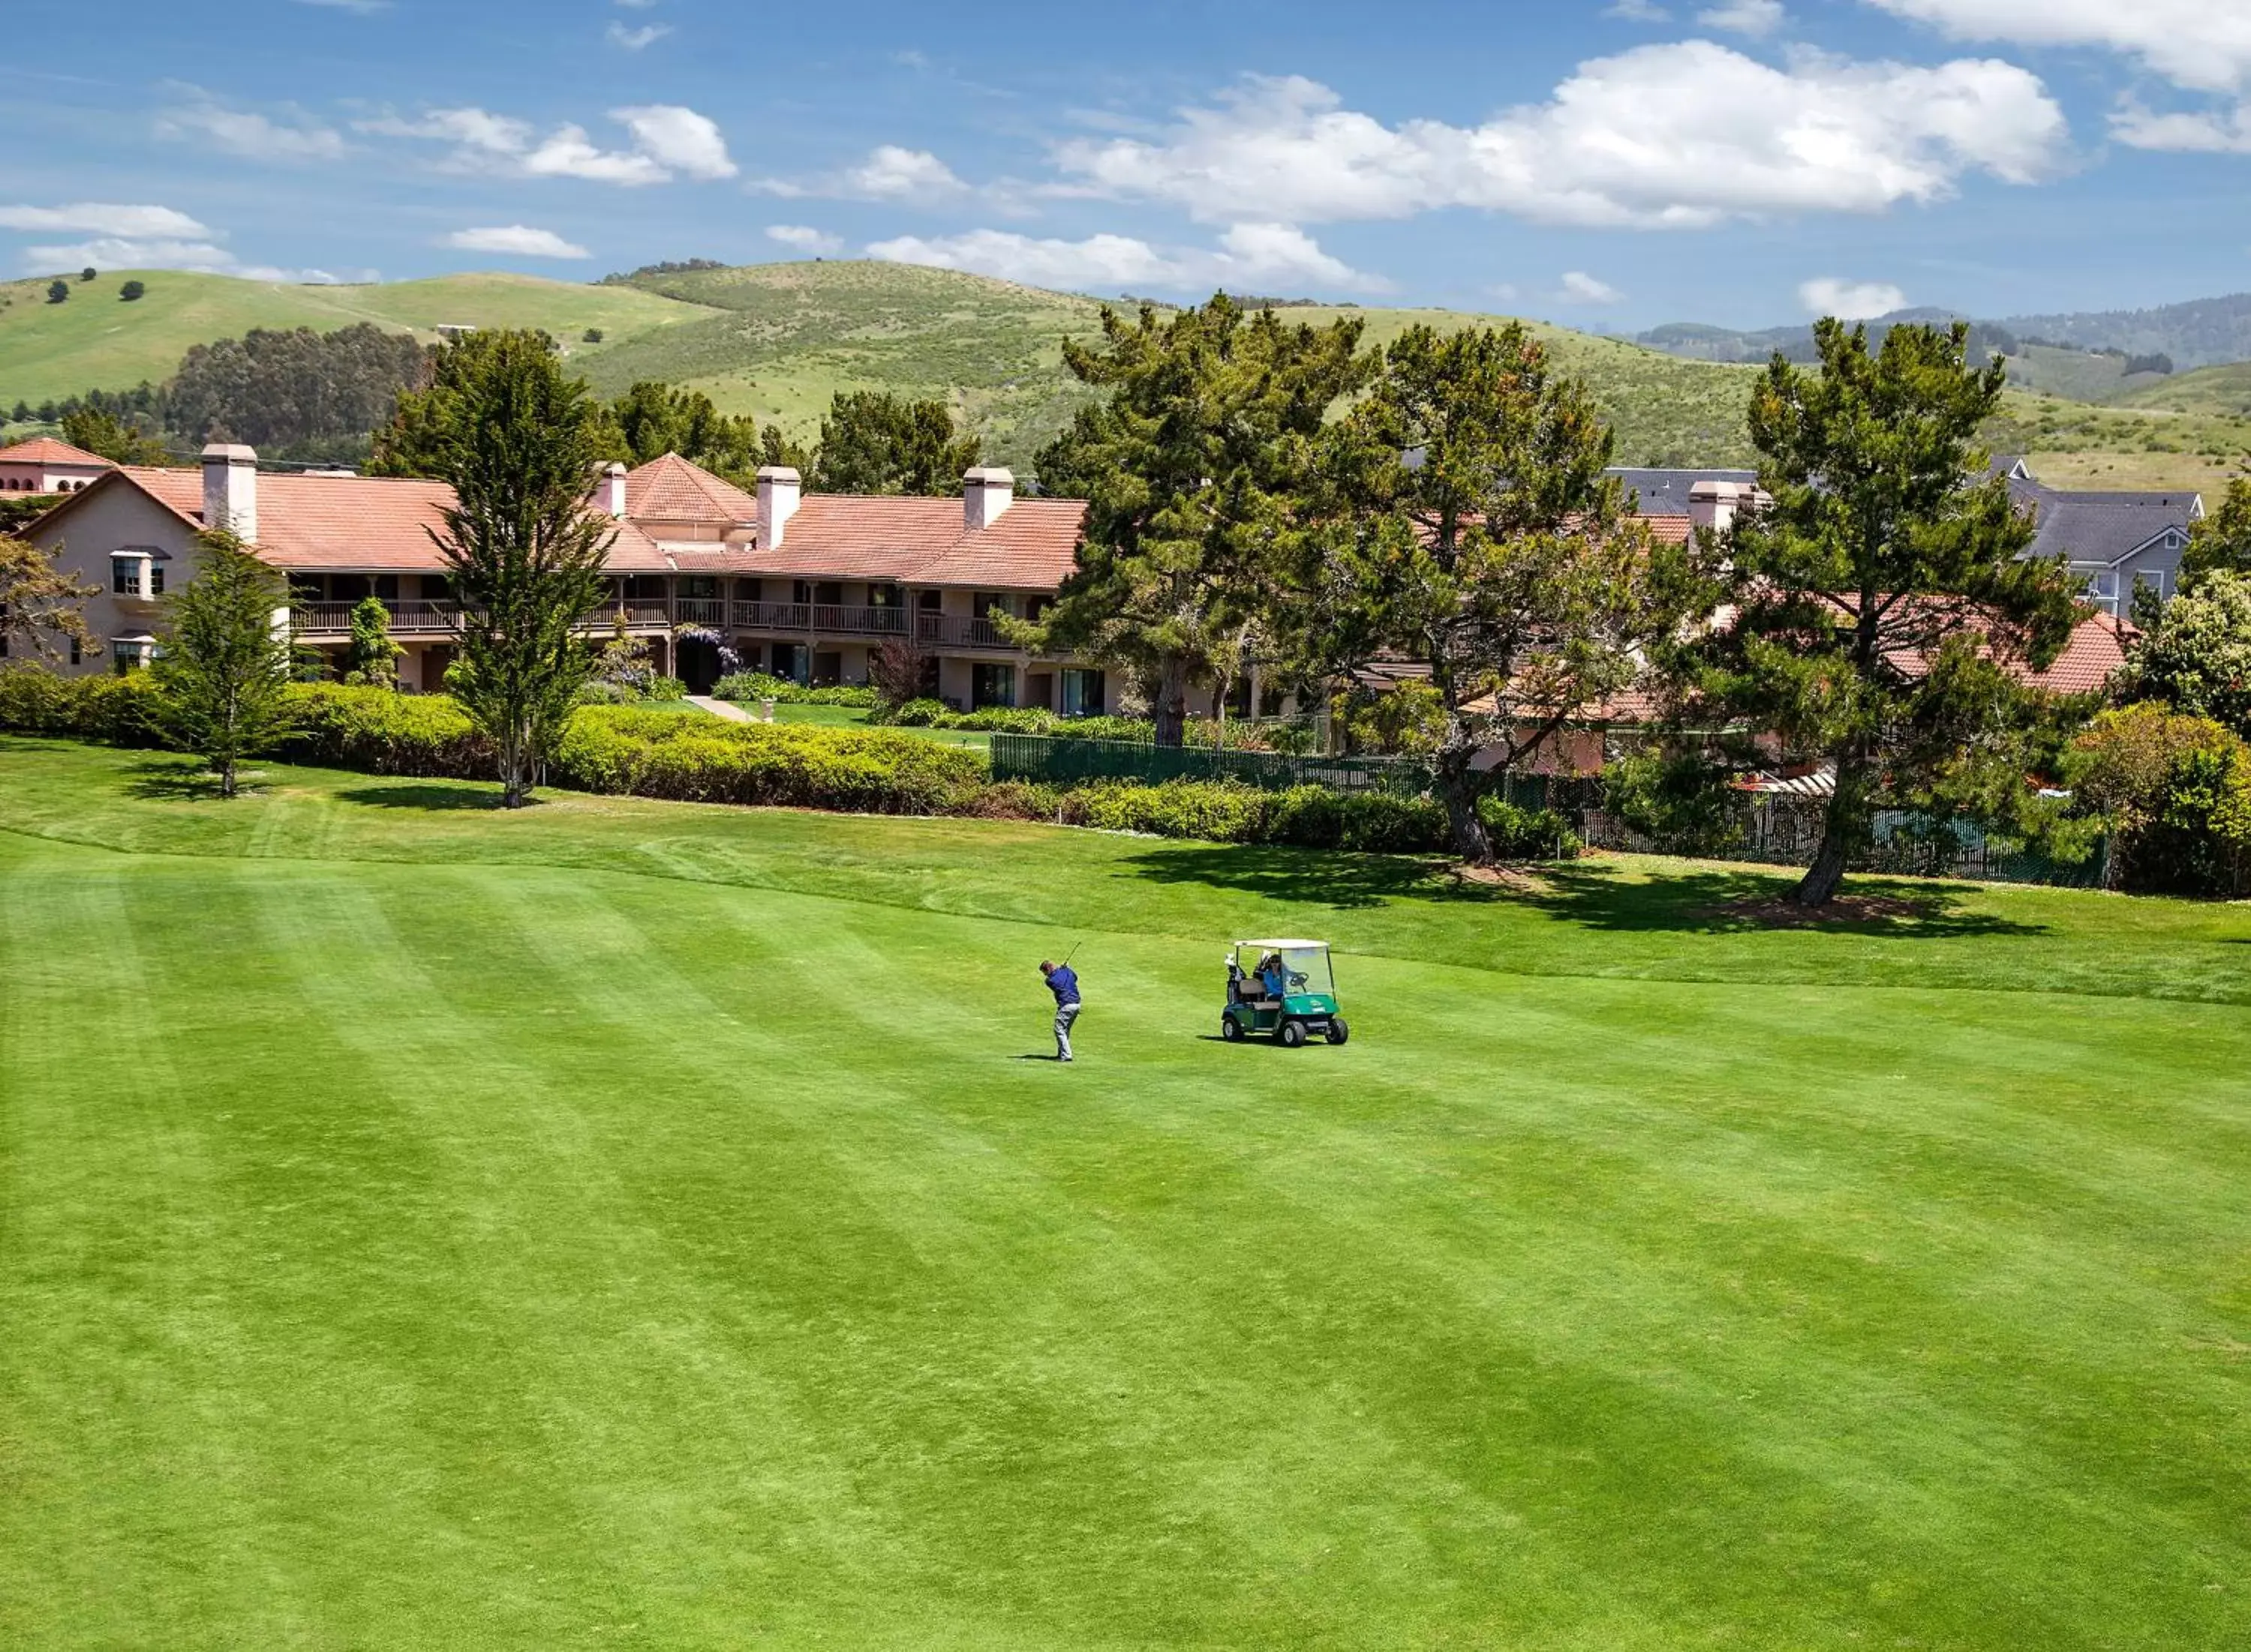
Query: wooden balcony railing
[[425, 619]]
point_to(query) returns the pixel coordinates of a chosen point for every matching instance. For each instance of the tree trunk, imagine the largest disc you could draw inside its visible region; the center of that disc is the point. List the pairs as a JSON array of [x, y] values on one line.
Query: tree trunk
[[226, 776], [1458, 787], [515, 748], [1843, 825], [1170, 710]]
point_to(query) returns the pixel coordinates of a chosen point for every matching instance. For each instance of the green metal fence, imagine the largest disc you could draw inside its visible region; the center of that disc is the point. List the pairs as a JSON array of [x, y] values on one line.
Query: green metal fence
[[1066, 762]]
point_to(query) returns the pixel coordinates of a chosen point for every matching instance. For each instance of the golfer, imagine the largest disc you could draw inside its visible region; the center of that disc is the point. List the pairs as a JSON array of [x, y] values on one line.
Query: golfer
[[1065, 985]]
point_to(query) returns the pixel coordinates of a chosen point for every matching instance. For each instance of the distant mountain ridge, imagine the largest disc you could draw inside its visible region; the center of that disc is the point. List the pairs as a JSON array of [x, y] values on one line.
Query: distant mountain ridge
[[2204, 332]]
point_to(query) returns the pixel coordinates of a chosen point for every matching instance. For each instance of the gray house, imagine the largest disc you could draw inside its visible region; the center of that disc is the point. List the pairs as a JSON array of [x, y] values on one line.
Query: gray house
[[2116, 541]]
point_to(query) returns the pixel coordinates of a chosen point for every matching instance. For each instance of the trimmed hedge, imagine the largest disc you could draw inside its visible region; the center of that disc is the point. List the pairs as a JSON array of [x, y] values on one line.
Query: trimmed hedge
[[621, 750], [756, 685], [699, 760]]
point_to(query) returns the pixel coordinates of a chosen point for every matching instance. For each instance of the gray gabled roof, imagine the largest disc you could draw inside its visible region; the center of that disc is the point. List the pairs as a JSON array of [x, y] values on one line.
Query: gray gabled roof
[[2104, 528], [1664, 493]]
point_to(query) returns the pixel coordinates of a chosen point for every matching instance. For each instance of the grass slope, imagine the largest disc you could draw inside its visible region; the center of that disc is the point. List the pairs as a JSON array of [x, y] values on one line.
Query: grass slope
[[634, 1225], [96, 341], [780, 339]]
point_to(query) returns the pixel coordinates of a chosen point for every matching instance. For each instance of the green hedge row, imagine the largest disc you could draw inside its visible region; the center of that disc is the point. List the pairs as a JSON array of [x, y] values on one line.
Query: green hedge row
[[621, 750], [1308, 817], [702, 760], [753, 686]]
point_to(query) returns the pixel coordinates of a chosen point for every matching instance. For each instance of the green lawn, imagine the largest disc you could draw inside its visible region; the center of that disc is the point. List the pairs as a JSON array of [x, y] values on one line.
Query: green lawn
[[623, 1224], [855, 718]]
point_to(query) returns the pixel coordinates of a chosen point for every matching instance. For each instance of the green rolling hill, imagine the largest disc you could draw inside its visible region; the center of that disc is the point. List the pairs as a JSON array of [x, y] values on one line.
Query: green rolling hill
[[779, 340], [96, 341]]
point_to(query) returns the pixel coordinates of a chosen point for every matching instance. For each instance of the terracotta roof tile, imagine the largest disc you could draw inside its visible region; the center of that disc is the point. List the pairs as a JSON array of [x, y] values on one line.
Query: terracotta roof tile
[[926, 541], [45, 449], [671, 489]]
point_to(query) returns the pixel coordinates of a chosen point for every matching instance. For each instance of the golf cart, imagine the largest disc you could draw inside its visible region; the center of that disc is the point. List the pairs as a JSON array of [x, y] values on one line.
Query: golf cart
[[1282, 987]]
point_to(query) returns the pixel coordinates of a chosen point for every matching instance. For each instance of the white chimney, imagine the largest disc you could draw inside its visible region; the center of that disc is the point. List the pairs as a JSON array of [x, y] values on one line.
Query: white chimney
[[610, 492], [986, 492], [230, 489], [1712, 504], [778, 488]]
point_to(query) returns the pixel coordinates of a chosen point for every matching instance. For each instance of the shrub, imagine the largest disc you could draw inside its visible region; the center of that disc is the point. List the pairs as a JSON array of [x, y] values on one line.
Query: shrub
[[1677, 802], [1525, 835], [377, 731], [1373, 822], [614, 749], [663, 687], [123, 711], [1012, 801], [916, 714], [1217, 811], [2176, 791], [756, 685]]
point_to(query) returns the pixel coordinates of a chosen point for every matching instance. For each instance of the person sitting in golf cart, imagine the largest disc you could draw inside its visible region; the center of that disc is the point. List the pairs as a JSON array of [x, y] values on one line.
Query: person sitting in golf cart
[[1285, 988]]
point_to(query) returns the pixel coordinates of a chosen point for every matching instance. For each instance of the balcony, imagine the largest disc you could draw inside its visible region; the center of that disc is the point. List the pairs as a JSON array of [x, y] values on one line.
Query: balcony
[[827, 619], [426, 619], [701, 611]]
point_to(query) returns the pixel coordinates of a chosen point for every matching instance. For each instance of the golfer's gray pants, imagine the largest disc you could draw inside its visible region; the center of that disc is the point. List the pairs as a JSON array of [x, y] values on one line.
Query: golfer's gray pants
[[1065, 1014]]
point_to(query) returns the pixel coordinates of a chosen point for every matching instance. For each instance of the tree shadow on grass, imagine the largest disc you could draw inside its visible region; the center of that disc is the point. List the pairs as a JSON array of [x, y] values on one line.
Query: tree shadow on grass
[[1595, 893], [160, 779], [1745, 900], [426, 794], [1308, 877]]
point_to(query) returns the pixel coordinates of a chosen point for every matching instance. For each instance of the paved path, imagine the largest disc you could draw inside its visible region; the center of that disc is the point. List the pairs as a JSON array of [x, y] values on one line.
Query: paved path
[[726, 709]]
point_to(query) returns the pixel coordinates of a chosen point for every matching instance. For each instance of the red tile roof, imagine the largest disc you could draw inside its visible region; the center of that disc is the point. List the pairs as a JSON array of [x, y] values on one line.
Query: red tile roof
[[45, 449], [671, 489], [379, 522], [2097, 649], [1031, 547], [374, 522]]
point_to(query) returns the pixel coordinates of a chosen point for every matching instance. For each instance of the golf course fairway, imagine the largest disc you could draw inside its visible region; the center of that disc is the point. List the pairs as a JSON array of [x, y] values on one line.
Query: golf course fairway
[[637, 1224]]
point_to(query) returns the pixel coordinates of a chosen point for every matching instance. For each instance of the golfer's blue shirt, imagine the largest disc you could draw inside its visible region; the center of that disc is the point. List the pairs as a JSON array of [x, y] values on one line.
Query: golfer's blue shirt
[[1063, 985]]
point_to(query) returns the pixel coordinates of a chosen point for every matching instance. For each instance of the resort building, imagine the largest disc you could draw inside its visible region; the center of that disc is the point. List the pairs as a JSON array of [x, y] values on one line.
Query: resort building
[[805, 587], [43, 464]]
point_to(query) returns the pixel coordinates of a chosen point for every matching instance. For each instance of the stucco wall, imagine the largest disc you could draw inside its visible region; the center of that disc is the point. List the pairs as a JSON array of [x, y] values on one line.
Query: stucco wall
[[81, 542]]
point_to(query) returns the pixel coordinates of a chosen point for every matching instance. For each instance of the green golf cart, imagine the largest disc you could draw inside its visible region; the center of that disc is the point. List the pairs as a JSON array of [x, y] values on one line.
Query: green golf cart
[[1284, 988]]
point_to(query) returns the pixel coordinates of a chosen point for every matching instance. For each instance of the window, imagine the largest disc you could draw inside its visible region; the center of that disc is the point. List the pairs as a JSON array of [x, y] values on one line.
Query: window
[[882, 595], [986, 601], [155, 577], [386, 586], [829, 593], [2150, 579], [1082, 692], [2101, 583], [930, 601], [991, 685], [699, 585], [800, 591], [125, 574], [128, 654], [77, 653]]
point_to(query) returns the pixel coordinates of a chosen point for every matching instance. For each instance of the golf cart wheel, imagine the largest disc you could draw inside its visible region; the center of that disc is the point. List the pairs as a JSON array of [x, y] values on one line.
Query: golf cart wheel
[[1231, 1029], [1291, 1034], [1338, 1031]]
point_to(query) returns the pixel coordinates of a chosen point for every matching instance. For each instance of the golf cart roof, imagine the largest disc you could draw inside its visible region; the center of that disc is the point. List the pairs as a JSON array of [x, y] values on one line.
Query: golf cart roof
[[1283, 946]]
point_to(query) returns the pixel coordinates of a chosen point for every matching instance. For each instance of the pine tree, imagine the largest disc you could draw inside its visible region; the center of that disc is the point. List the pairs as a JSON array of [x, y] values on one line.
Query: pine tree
[[225, 666], [873, 442], [1877, 604], [1194, 469], [518, 441], [1476, 533], [374, 658]]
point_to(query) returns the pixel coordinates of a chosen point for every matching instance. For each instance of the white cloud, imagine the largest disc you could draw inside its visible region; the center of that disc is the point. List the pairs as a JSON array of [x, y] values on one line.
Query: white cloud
[[2212, 132], [1638, 11], [1850, 301], [675, 136], [892, 173], [105, 218], [517, 240], [1579, 287], [114, 253], [1682, 135], [2202, 43], [804, 238], [1249, 255], [1754, 17], [669, 139], [635, 39], [245, 131]]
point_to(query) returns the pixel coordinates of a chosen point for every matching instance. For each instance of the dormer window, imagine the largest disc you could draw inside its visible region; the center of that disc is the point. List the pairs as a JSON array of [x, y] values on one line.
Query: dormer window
[[136, 572]]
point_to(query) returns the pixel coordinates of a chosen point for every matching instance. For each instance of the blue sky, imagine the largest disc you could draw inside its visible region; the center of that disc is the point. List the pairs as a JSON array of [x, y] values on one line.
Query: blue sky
[[1743, 162]]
